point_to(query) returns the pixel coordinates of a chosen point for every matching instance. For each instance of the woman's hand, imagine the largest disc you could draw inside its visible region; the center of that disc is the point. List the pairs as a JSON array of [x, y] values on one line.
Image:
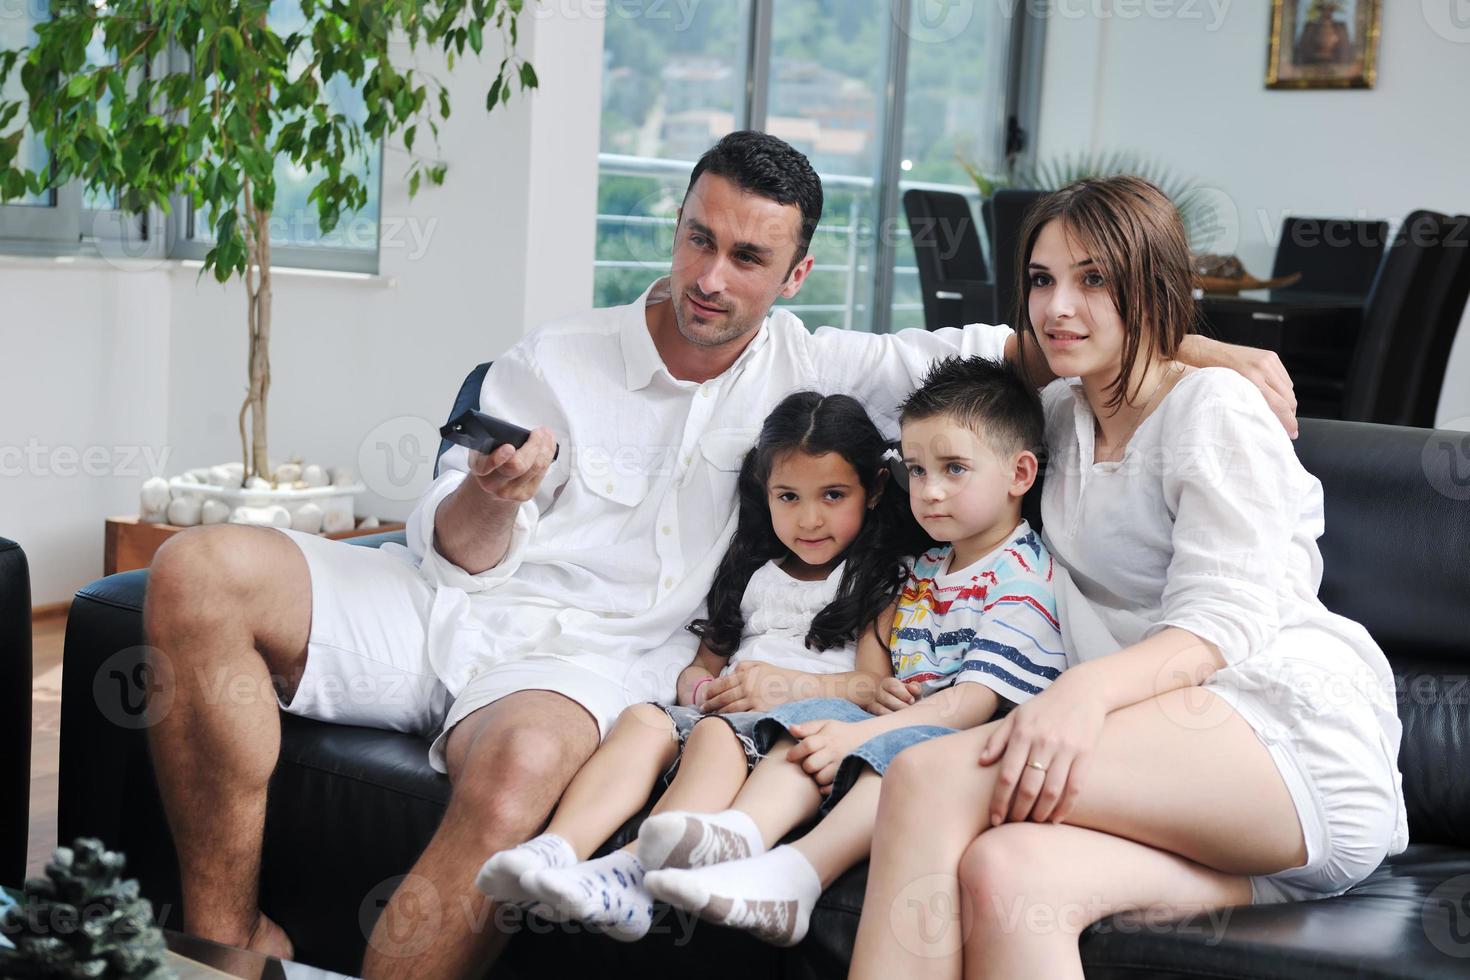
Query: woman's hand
[[824, 744], [1041, 751], [894, 695], [756, 686]]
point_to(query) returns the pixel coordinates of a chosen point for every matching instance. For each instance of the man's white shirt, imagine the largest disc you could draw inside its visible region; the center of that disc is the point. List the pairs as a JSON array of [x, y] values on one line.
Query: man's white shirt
[[616, 552]]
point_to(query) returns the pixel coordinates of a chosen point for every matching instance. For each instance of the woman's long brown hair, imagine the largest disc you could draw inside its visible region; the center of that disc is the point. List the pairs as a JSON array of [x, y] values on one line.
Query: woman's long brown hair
[[1132, 231]]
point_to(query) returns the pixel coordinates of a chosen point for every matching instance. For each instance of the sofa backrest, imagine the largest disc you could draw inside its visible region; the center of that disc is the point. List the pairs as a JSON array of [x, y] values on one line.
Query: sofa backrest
[[1396, 558]]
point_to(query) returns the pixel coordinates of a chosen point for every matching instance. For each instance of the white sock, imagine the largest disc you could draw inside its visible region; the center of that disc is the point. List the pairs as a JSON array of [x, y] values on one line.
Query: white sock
[[606, 893], [500, 876], [679, 839], [771, 895]]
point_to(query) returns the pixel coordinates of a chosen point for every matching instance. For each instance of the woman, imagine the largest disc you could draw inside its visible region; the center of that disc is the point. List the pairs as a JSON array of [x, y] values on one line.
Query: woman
[[1222, 738]]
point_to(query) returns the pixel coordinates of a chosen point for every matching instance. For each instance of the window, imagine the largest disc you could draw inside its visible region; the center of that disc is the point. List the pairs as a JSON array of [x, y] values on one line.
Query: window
[[72, 219], [879, 95], [296, 235]]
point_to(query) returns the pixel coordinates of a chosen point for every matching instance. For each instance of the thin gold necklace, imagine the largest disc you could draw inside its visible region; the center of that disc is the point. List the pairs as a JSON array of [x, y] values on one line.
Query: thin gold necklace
[[1143, 411]]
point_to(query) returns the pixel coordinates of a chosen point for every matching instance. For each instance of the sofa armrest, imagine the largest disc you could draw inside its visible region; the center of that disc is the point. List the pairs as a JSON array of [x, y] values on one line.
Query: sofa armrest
[[15, 712]]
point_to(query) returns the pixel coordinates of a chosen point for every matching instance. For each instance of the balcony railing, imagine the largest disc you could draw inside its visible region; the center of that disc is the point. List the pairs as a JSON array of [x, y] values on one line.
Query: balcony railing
[[854, 271]]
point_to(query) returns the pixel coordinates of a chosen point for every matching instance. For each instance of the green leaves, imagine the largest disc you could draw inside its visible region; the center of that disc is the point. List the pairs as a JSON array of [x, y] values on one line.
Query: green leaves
[[251, 93]]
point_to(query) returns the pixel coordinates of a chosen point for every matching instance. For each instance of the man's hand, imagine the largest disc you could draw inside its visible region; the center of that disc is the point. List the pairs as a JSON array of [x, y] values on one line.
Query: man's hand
[[894, 695], [512, 474], [756, 686], [1261, 368]]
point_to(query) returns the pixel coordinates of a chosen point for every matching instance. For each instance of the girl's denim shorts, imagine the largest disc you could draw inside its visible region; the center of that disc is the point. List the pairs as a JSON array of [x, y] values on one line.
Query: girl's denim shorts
[[742, 723], [876, 753]]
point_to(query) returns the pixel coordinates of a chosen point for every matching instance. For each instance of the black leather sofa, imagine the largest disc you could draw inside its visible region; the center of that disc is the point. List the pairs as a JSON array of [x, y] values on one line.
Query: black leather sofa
[[351, 808], [15, 702]]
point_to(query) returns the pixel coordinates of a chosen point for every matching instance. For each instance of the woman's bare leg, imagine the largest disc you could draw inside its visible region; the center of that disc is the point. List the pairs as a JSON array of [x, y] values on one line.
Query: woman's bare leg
[[1208, 792], [1029, 890]]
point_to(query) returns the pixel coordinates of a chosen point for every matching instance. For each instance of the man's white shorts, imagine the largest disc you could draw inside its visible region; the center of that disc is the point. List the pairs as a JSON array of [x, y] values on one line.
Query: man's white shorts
[[367, 660]]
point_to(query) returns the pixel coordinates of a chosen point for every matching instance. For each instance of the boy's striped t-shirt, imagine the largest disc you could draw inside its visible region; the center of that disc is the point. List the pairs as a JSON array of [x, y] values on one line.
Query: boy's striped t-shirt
[[993, 622]]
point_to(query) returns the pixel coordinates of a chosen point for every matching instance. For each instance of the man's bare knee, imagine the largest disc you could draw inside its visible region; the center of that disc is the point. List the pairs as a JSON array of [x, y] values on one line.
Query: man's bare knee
[[227, 576], [509, 762]]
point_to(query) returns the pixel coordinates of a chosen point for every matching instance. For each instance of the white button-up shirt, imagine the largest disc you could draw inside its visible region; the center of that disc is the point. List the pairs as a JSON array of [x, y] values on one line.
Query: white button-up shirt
[[616, 552]]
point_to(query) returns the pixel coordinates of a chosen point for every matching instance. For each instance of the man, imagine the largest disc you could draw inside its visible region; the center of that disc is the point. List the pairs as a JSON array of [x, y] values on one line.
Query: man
[[536, 598]]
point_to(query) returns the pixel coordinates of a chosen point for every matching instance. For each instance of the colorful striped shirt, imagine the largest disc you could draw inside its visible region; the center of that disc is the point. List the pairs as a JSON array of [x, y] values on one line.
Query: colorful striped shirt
[[993, 622]]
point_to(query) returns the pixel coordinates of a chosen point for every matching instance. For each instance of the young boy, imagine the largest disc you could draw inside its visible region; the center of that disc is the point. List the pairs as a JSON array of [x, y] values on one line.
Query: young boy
[[974, 633]]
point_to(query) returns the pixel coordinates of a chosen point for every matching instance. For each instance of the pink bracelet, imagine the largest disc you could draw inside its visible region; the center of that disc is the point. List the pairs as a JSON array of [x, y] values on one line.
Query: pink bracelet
[[694, 694]]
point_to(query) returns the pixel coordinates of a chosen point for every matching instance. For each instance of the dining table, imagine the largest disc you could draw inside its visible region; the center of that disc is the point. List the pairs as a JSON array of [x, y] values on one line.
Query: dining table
[[1313, 333]]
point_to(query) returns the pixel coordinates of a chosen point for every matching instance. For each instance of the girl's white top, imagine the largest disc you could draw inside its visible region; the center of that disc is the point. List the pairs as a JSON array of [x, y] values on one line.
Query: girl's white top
[[778, 611]]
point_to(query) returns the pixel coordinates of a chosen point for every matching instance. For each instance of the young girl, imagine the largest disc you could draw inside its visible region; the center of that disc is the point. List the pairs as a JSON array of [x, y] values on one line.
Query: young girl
[[816, 557], [1221, 738]]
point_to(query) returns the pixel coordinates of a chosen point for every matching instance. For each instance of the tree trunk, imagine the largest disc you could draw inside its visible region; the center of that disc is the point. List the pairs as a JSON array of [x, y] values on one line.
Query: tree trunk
[[255, 455], [260, 365]]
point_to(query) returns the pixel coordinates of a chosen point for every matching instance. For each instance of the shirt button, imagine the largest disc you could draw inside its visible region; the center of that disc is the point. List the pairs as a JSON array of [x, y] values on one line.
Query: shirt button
[[610, 488], [668, 582], [688, 460], [706, 392], [666, 529]]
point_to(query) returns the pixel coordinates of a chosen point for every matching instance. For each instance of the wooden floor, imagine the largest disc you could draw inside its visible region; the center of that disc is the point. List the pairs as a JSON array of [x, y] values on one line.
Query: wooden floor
[[46, 638]]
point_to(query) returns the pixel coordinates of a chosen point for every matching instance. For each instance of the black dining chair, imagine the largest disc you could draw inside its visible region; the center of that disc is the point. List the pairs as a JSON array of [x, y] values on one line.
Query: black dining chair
[[1450, 290], [952, 273], [1333, 255], [1004, 215], [1403, 305]]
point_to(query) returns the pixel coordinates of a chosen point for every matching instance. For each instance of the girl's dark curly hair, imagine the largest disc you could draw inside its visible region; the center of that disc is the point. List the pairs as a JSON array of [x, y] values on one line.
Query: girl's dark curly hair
[[874, 574]]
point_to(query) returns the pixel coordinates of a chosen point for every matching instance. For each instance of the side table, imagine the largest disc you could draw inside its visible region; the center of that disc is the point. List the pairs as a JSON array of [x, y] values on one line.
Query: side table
[[131, 543]]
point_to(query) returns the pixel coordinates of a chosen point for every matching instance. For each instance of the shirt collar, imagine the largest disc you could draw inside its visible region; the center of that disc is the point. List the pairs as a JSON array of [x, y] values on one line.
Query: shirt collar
[[640, 356], [641, 360]]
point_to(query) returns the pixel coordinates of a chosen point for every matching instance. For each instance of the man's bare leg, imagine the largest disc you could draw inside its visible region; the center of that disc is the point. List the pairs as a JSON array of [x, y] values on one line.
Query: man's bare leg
[[509, 762], [228, 608]]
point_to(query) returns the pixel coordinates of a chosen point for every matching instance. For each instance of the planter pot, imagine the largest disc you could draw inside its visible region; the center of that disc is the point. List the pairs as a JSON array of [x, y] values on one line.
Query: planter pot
[[335, 501]]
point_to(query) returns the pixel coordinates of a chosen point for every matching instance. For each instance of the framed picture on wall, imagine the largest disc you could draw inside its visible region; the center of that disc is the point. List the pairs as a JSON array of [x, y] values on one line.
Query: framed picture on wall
[[1324, 43]]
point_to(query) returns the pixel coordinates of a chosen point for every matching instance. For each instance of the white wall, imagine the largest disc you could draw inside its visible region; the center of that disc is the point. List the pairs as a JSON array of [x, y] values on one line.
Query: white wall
[[1187, 87], [149, 363]]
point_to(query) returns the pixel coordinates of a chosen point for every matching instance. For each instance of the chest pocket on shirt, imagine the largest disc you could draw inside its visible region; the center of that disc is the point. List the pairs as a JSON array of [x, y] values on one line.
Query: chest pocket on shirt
[[612, 480], [725, 449]]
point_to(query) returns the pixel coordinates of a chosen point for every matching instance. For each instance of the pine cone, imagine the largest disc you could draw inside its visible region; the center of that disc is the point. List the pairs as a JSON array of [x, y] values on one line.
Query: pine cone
[[82, 921]]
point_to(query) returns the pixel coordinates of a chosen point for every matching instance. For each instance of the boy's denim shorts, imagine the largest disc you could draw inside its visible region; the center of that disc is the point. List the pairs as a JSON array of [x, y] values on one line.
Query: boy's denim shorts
[[742, 723], [876, 753]]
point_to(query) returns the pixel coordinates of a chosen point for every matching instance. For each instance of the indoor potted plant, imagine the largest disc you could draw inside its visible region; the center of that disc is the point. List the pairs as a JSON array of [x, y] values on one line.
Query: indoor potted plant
[[196, 100]]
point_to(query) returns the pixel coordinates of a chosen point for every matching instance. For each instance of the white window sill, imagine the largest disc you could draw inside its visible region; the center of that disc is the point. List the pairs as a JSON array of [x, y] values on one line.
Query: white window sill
[[189, 267]]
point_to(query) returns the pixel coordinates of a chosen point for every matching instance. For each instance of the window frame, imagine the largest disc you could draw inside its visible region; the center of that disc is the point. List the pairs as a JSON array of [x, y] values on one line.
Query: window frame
[[1025, 47], [68, 229]]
